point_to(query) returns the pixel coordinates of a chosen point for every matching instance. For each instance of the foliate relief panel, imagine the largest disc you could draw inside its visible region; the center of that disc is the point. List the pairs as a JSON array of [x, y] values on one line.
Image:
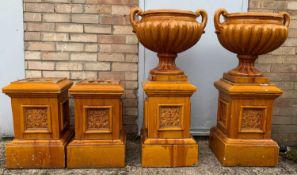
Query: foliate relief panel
[[170, 116], [36, 118], [98, 118], [252, 119]]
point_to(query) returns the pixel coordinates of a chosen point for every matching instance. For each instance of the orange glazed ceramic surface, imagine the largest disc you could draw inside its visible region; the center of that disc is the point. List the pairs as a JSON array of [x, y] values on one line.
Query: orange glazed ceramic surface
[[242, 136], [168, 32], [41, 122], [249, 35], [99, 134], [167, 111]]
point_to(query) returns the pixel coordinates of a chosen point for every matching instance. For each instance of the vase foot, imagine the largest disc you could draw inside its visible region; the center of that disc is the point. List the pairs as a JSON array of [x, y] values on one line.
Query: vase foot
[[168, 78], [246, 79]]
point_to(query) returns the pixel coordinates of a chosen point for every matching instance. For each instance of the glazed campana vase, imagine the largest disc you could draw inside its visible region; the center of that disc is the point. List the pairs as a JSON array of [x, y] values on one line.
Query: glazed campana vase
[[168, 32], [249, 35]]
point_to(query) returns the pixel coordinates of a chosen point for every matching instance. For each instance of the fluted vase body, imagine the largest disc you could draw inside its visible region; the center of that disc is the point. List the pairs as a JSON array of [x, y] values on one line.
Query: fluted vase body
[[168, 32], [249, 35]]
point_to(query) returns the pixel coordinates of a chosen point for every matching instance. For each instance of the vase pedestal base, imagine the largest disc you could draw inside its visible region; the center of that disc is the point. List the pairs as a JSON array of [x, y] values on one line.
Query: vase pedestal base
[[166, 138], [96, 153], [243, 152], [99, 136], [242, 136], [169, 152], [37, 153]]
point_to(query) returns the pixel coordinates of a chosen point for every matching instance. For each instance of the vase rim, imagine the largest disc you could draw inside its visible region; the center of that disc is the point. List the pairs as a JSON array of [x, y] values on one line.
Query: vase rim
[[255, 14], [168, 11]]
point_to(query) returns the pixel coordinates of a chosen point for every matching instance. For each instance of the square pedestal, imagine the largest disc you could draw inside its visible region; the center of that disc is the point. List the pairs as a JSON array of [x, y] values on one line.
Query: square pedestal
[[242, 136], [41, 123], [166, 140], [99, 136]]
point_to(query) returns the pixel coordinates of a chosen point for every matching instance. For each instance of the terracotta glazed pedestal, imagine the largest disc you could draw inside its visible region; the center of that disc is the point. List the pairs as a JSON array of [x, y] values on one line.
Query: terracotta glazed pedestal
[[99, 137], [242, 136], [41, 123], [166, 140]]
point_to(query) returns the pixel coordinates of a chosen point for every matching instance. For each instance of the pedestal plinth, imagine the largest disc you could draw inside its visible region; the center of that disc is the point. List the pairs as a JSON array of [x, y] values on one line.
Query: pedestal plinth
[[166, 140], [99, 137], [242, 136], [41, 123]]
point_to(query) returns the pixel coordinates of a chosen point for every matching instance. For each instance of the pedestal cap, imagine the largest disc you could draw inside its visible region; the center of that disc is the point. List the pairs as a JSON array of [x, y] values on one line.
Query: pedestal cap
[[97, 88], [247, 89], [168, 88], [51, 85]]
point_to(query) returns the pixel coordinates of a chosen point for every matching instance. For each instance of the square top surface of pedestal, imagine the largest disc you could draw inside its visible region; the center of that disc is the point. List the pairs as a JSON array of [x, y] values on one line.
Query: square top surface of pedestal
[[247, 89], [38, 86], [168, 88], [97, 87]]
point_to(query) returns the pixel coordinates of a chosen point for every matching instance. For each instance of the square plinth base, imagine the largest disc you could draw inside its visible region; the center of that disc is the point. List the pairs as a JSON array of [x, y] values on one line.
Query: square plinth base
[[169, 155], [243, 152], [96, 154], [37, 153]]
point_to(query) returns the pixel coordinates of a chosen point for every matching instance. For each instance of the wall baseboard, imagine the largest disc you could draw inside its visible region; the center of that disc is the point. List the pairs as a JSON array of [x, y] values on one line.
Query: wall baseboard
[[200, 132]]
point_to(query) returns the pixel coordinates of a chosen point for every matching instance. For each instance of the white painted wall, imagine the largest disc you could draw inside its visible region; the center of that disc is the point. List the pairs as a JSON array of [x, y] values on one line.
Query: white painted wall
[[204, 63], [11, 56]]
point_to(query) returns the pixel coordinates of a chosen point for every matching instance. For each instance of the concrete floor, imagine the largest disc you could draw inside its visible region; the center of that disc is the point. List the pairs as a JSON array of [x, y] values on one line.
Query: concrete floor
[[208, 165]]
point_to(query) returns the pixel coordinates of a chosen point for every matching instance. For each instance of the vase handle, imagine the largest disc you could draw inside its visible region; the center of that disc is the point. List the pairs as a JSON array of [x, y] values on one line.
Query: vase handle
[[133, 12], [204, 17], [217, 23], [286, 18]]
